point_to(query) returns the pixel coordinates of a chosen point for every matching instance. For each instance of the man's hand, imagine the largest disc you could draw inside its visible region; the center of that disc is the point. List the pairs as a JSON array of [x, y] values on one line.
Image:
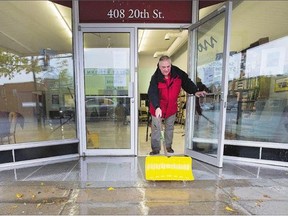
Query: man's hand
[[158, 113], [200, 93]]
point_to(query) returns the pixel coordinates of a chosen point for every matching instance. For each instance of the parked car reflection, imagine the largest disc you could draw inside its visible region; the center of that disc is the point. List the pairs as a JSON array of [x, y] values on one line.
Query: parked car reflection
[[99, 108]]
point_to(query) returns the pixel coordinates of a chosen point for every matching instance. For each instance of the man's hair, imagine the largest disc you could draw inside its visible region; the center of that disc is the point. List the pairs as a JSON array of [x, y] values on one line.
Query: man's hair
[[164, 58]]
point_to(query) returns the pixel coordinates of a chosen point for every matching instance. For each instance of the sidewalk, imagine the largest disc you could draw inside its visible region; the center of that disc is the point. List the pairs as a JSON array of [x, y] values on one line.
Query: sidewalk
[[116, 186]]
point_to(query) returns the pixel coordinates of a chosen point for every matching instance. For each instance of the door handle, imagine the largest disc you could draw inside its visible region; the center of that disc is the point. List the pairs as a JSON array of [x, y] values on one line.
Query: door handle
[[131, 90]]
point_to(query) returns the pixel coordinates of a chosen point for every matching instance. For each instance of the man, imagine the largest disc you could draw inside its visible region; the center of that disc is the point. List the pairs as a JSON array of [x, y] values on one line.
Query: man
[[164, 88]]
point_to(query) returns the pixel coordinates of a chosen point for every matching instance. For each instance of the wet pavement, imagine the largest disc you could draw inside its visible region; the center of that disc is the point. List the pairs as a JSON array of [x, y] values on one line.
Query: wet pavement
[[117, 186]]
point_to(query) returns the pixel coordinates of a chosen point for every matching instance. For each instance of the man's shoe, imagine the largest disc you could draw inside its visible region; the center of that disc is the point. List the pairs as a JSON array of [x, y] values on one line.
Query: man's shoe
[[154, 152], [170, 150]]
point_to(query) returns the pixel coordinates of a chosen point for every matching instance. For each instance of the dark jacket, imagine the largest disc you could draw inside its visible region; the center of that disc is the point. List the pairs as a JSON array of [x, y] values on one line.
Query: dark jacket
[[165, 96]]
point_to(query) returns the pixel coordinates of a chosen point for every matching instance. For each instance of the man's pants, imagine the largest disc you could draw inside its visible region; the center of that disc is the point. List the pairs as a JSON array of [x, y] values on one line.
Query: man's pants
[[156, 132]]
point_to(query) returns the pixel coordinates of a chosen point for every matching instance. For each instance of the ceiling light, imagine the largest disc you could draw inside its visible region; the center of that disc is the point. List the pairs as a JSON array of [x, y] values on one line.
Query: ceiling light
[[157, 54], [180, 40], [60, 18], [172, 35], [143, 40]]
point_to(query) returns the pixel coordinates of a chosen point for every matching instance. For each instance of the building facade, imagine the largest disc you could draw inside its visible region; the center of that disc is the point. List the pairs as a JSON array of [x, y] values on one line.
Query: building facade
[[73, 73]]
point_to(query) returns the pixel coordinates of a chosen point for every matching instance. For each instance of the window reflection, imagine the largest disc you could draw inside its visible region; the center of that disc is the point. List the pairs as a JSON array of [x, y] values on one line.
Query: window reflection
[[42, 99], [36, 83], [257, 107]]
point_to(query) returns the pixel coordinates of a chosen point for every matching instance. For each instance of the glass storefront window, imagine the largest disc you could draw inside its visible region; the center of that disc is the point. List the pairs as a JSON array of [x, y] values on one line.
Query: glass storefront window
[[257, 107], [257, 100], [36, 72]]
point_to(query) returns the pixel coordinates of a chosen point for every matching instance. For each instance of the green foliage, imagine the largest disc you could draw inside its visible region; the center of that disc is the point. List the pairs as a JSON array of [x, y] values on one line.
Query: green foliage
[[11, 64]]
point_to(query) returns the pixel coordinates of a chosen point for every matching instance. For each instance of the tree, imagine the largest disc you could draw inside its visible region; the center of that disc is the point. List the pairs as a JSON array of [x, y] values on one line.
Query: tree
[[11, 64]]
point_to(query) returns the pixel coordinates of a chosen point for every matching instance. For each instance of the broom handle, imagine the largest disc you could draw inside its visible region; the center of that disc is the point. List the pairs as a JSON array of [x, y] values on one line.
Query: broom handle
[[162, 137]]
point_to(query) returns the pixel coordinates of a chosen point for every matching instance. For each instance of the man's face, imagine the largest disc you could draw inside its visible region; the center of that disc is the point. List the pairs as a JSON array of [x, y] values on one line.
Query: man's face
[[165, 67]]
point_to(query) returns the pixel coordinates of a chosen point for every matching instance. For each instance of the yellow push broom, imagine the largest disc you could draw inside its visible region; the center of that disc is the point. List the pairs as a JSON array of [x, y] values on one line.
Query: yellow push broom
[[168, 168]]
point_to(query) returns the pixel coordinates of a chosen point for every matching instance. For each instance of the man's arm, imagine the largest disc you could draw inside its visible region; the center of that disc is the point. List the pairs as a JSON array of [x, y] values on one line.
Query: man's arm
[[153, 92], [189, 86]]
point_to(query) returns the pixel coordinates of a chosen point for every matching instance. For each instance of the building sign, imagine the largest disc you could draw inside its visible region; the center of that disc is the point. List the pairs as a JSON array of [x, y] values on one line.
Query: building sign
[[135, 11]]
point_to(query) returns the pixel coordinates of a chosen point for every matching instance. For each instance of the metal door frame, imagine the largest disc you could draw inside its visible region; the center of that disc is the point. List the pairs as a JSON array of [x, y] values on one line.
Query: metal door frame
[[81, 98], [192, 54]]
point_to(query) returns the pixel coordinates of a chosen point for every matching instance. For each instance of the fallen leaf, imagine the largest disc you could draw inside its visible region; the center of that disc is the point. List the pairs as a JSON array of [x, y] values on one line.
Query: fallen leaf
[[235, 198], [19, 195], [227, 208], [259, 202], [38, 205], [111, 188]]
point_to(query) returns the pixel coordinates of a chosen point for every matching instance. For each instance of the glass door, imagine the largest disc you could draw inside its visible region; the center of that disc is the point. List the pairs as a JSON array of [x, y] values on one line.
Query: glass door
[[208, 63], [108, 68]]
